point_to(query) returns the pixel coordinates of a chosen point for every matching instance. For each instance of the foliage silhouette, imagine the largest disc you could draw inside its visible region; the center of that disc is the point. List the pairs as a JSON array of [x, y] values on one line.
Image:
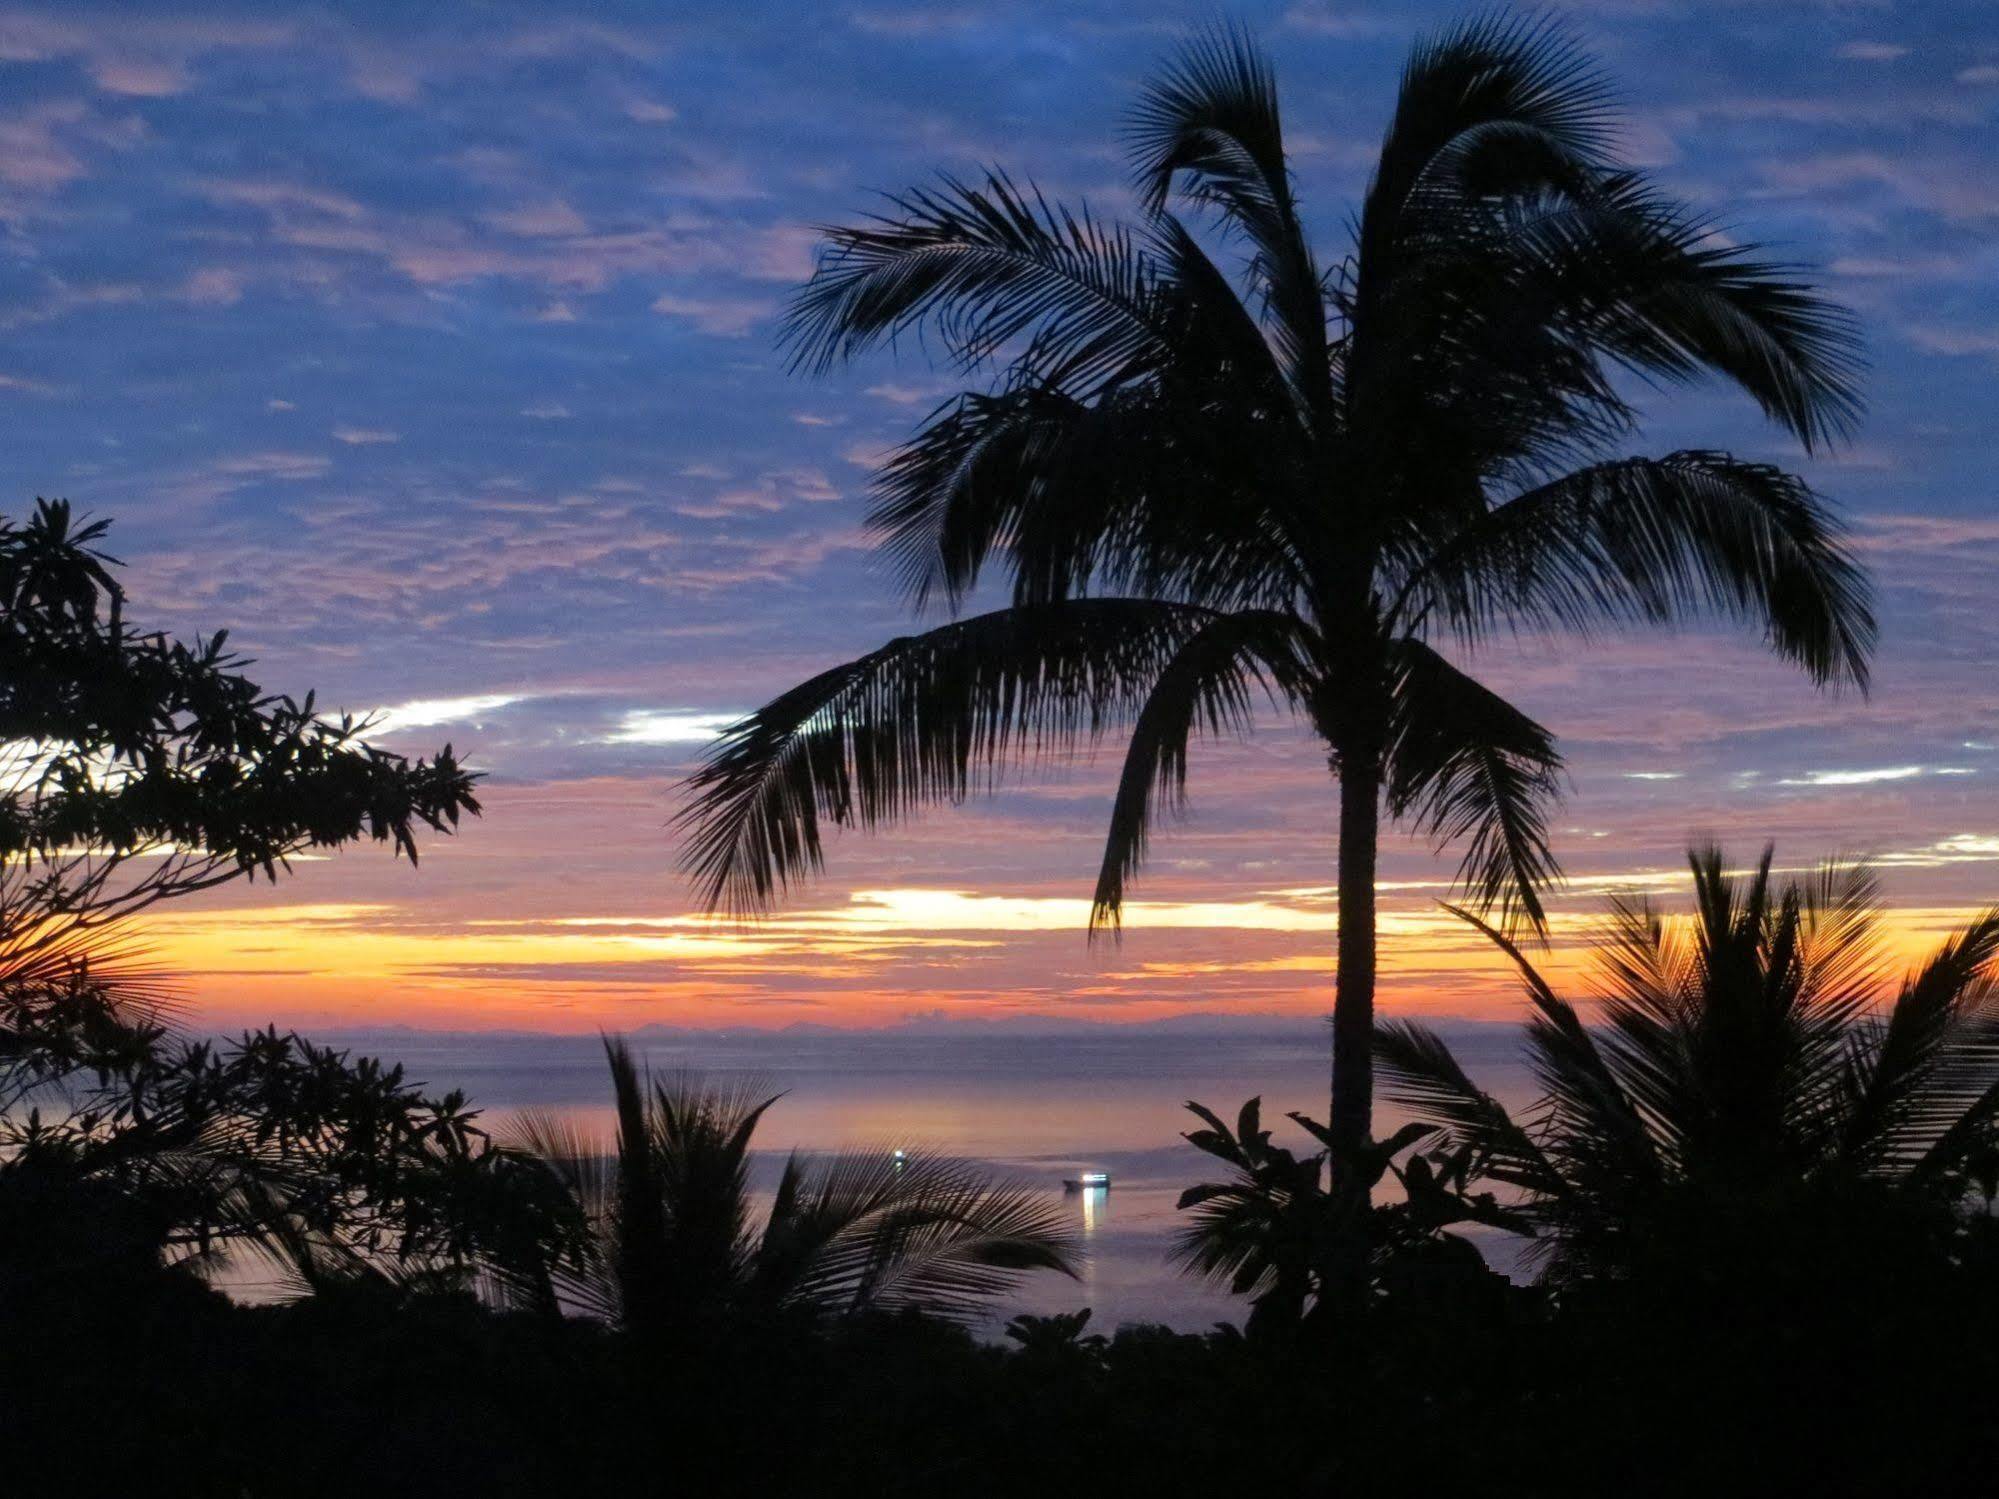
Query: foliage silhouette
[[677, 1256], [139, 768], [1747, 1106], [1281, 1224], [180, 1151], [1299, 481]]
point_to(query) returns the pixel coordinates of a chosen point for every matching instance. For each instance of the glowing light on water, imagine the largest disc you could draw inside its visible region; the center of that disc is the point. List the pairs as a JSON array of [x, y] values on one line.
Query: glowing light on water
[[1096, 1207]]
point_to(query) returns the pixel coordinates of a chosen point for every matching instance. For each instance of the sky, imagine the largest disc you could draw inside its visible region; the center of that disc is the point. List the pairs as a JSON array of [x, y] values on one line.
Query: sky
[[429, 351]]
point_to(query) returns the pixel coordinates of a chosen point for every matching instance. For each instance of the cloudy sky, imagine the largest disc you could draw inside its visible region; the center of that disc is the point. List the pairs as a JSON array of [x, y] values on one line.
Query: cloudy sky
[[429, 351]]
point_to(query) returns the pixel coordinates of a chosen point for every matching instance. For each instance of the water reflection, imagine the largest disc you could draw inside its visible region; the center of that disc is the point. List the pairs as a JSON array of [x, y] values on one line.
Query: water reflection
[[1096, 1208], [1032, 1113]]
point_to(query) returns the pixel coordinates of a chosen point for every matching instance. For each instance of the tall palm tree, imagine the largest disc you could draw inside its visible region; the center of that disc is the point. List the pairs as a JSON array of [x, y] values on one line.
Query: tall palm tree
[[1298, 480], [675, 1247], [1745, 1073]]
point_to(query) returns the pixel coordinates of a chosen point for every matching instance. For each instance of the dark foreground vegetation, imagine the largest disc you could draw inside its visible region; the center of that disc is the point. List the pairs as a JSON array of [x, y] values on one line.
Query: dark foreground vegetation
[[1760, 1193], [1845, 1371]]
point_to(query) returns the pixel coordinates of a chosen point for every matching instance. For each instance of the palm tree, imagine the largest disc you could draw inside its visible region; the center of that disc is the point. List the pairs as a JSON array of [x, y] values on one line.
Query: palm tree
[[1298, 481], [1745, 1076], [675, 1247]]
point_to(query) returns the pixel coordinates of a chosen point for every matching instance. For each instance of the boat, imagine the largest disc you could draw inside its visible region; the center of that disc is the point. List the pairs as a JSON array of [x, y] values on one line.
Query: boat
[[1089, 1181]]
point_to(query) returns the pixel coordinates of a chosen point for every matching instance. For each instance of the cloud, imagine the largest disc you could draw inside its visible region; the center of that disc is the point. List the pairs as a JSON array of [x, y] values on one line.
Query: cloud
[[1956, 342], [133, 53], [139, 76], [1950, 187], [918, 21], [669, 726], [213, 286], [365, 437], [273, 466], [544, 220], [685, 558], [903, 394], [868, 455], [723, 317], [277, 196], [1935, 535], [1338, 18], [774, 490], [1884, 108], [38, 145], [1863, 777], [428, 713], [1873, 51]]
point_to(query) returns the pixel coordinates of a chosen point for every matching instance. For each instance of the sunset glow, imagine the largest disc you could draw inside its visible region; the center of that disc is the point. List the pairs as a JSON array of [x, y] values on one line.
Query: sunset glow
[[450, 391]]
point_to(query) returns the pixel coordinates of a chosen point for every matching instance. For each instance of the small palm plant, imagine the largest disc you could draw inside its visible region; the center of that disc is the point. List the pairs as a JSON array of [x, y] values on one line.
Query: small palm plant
[[675, 1247], [1746, 1091]]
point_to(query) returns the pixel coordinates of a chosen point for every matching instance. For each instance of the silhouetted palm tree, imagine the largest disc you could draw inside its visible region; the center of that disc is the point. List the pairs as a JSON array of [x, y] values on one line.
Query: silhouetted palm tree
[[676, 1248], [1744, 1073], [1299, 479]]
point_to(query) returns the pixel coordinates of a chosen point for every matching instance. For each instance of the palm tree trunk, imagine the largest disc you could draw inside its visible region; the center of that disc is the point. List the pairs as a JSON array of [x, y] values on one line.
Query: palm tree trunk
[[1352, 1108]]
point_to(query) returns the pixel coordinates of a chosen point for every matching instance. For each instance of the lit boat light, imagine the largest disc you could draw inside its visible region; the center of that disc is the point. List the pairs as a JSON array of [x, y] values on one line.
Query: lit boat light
[[1089, 1181]]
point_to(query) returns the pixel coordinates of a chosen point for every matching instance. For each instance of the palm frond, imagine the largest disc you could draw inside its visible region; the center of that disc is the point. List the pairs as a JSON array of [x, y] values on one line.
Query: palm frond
[[1655, 540], [1209, 120], [1113, 495], [1208, 687], [1665, 293], [1469, 766], [1598, 1132], [885, 1230], [987, 267], [581, 1160], [868, 742], [1924, 1084], [1469, 80], [950, 496], [1424, 1077]]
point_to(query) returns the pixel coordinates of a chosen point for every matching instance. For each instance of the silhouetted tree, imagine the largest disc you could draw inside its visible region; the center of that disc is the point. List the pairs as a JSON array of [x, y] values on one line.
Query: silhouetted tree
[[1300, 479], [1282, 1223], [176, 1151], [1748, 1105], [137, 768], [676, 1249]]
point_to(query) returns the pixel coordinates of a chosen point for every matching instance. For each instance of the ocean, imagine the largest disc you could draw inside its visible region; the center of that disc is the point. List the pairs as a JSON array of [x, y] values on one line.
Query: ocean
[[1037, 1108]]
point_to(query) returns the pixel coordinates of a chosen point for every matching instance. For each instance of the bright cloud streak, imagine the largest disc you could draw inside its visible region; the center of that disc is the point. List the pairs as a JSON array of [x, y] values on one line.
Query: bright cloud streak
[[1854, 777], [669, 726], [426, 713]]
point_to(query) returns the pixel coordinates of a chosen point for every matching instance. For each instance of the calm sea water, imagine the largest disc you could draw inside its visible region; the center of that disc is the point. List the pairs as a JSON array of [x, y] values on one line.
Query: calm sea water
[[1034, 1108]]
